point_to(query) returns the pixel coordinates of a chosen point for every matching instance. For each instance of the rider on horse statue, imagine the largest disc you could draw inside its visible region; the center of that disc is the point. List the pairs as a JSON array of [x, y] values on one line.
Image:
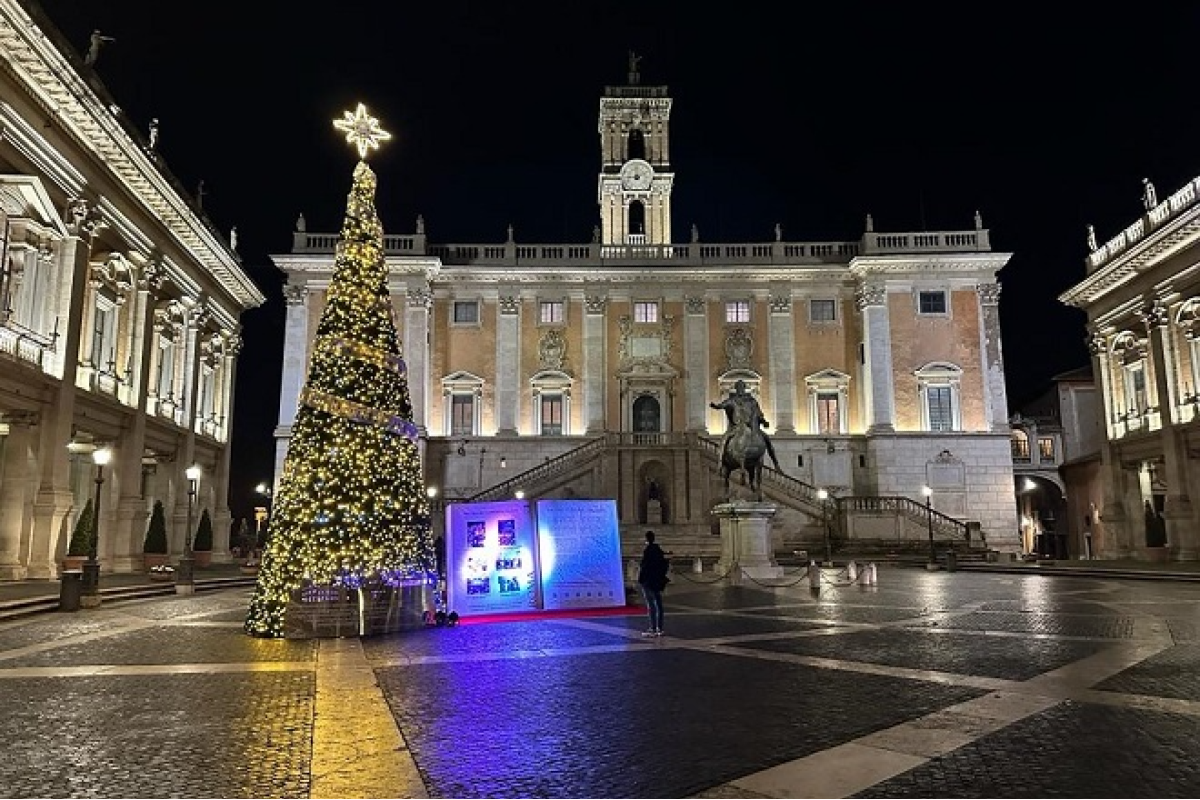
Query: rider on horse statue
[[742, 409]]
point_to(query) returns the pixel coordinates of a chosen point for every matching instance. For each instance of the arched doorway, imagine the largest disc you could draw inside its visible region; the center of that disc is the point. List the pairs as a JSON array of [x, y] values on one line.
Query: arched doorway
[[647, 415]]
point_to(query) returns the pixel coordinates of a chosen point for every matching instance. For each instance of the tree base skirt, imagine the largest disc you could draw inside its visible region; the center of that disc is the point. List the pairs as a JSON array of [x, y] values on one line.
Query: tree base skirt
[[331, 612]]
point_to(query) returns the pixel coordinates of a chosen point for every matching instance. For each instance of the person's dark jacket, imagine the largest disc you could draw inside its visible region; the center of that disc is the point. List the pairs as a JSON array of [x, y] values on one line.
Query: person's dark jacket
[[654, 567]]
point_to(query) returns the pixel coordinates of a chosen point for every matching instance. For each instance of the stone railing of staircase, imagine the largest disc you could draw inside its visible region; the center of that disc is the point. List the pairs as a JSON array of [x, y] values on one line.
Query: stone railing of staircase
[[945, 528]]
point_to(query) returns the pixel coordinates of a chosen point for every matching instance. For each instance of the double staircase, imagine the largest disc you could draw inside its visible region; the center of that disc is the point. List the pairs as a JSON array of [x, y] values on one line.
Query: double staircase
[[876, 527]]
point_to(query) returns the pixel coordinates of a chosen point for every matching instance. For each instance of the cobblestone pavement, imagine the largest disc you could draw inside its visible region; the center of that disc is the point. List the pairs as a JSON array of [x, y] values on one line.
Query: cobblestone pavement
[[929, 684]]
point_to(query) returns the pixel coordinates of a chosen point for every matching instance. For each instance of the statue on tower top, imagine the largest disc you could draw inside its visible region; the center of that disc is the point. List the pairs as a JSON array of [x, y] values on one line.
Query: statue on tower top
[[634, 77]]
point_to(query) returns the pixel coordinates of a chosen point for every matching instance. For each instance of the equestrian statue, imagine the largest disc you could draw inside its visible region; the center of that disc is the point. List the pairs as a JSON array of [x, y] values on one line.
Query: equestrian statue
[[745, 441]]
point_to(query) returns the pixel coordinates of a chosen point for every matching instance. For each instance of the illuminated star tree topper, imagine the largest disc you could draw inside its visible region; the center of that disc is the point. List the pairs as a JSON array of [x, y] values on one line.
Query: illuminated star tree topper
[[361, 129]]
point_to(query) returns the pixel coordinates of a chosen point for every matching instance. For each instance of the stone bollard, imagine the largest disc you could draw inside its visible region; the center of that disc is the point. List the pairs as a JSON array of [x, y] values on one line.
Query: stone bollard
[[814, 575], [852, 572]]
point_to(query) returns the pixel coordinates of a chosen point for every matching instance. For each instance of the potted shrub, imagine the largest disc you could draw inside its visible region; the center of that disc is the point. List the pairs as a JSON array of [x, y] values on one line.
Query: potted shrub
[[81, 538], [202, 545], [154, 549]]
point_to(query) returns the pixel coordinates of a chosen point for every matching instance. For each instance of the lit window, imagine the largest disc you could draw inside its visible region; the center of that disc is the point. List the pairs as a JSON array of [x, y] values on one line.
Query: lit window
[[466, 312], [931, 302], [551, 312], [828, 416], [645, 312], [552, 415], [1046, 448], [822, 311], [939, 386], [737, 311], [462, 414]]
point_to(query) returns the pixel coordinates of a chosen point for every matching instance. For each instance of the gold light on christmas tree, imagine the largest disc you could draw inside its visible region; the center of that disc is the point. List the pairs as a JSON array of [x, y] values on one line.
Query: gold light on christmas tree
[[351, 505]]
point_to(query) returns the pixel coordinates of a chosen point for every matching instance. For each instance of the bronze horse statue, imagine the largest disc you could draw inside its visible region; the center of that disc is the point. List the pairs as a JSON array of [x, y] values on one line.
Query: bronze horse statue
[[743, 451]]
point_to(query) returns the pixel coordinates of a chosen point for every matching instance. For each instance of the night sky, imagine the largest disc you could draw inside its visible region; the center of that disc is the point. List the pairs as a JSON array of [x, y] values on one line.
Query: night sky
[[811, 119]]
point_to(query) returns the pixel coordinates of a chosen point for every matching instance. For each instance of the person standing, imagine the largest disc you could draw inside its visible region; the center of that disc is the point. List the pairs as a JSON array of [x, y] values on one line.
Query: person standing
[[652, 577]]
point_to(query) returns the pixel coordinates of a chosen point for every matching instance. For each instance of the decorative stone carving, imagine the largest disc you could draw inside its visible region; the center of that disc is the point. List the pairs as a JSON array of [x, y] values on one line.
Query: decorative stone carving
[[645, 345], [199, 315], [594, 304], [1097, 344], [295, 295], [151, 278], [695, 305], [989, 293], [781, 303], [84, 218], [420, 298], [1155, 314], [871, 295], [510, 305], [739, 346], [552, 349]]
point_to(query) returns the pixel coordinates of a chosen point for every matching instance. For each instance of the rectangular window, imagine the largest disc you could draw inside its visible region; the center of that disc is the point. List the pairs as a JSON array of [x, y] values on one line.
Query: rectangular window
[[1046, 448], [100, 351], [552, 415], [941, 409], [462, 415], [737, 311], [1139, 388], [166, 367], [645, 312], [828, 418], [550, 312], [466, 312], [931, 302], [822, 311]]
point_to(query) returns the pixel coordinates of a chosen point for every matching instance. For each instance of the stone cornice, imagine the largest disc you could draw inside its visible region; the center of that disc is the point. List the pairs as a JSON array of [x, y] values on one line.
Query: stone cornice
[[1161, 244], [863, 267], [55, 84]]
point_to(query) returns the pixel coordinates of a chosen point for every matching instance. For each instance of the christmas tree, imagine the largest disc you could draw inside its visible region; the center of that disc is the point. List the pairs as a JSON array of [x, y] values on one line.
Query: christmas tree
[[351, 507]]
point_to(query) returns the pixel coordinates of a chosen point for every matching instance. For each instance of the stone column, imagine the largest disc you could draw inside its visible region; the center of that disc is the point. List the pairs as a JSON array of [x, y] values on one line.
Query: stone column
[[995, 397], [877, 369], [1182, 535], [222, 518], [508, 365], [1115, 540], [14, 494], [54, 500], [781, 341], [595, 378], [695, 362], [129, 531], [186, 455], [416, 353]]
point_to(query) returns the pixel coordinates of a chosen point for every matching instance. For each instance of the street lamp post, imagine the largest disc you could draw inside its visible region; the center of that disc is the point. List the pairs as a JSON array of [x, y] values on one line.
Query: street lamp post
[[185, 577], [928, 492], [91, 567], [823, 496], [262, 514]]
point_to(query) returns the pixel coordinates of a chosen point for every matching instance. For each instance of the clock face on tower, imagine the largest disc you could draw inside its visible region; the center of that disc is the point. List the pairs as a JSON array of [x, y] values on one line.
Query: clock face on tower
[[637, 175]]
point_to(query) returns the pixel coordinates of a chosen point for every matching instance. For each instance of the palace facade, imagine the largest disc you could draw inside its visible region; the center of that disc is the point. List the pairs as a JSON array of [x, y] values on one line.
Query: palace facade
[[587, 369], [1142, 300], [119, 309]]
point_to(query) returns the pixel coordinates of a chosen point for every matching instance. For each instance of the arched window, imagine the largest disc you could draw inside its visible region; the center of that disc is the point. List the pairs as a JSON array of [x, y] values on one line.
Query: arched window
[[637, 218], [1020, 446], [636, 145]]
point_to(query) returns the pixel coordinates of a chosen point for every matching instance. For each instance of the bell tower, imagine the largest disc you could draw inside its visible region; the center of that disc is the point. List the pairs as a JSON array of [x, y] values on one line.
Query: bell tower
[[634, 190]]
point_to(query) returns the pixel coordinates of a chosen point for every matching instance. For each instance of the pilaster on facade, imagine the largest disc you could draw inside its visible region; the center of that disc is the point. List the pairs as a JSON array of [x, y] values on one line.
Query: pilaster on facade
[[995, 396], [415, 347], [594, 364], [695, 361], [782, 357], [295, 352], [508, 351], [877, 361]]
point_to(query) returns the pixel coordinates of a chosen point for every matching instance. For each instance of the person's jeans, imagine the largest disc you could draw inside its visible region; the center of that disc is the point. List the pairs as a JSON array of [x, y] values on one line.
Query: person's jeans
[[654, 607]]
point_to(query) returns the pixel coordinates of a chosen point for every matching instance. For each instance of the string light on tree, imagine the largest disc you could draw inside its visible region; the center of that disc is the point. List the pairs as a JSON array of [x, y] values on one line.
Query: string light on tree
[[351, 506]]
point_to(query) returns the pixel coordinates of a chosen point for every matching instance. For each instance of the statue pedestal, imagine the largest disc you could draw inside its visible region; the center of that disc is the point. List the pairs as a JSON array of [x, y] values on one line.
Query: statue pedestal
[[746, 540], [653, 512]]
